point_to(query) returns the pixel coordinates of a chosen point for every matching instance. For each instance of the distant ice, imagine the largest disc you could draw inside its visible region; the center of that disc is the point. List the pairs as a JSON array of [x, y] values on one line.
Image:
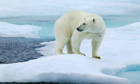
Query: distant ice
[[119, 49], [57, 7], [12, 30]]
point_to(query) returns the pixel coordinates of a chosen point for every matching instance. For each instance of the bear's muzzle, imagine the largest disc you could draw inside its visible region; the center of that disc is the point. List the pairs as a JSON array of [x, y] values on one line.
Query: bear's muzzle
[[80, 30]]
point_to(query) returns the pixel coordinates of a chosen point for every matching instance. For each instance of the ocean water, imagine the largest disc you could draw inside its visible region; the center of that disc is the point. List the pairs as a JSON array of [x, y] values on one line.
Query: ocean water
[[47, 22], [131, 72], [13, 50]]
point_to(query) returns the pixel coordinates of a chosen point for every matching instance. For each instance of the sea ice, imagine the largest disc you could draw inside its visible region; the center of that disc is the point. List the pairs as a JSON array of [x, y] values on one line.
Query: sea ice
[[12, 30], [56, 7]]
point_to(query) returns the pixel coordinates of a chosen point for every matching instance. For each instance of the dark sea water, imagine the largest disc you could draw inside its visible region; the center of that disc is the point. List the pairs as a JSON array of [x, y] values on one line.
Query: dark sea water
[[14, 50]]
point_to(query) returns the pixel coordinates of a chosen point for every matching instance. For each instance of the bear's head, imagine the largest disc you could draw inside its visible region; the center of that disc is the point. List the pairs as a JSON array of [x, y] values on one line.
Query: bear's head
[[91, 24]]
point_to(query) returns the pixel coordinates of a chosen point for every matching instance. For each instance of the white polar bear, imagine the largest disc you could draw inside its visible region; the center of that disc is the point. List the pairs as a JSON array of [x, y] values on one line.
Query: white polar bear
[[73, 27]]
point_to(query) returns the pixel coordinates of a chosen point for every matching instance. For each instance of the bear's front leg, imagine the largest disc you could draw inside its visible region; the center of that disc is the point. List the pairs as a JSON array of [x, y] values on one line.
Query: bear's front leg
[[76, 42], [95, 46]]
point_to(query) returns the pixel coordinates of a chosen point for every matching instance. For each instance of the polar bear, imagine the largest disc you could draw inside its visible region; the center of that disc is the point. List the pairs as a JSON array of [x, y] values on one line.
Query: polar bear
[[73, 27]]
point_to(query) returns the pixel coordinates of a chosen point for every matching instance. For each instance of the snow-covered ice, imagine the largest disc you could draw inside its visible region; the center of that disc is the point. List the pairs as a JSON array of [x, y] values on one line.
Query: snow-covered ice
[[57, 7], [119, 49], [61, 68], [12, 30]]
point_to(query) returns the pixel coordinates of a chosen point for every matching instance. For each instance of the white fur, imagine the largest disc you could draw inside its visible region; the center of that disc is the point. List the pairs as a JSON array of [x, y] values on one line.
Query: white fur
[[66, 32]]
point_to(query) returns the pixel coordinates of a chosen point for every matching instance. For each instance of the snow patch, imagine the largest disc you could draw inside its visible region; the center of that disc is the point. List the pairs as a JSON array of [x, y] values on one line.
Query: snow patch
[[12, 30], [58, 68]]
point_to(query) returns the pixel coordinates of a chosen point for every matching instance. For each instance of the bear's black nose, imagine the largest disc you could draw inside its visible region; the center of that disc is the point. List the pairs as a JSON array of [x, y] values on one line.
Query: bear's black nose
[[79, 29]]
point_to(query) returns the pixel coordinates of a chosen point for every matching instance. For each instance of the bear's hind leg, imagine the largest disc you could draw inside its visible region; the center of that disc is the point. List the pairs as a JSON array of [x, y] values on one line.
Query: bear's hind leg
[[69, 47], [60, 43]]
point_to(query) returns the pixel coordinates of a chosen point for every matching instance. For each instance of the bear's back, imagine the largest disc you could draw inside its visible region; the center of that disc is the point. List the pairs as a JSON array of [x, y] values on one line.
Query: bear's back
[[72, 18]]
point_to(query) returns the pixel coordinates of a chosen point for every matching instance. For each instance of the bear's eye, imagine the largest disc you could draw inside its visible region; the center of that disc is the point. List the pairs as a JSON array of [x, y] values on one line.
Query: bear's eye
[[84, 23]]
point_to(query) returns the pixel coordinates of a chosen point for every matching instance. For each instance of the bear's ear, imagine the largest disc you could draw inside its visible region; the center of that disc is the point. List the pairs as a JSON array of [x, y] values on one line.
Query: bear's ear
[[93, 20]]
